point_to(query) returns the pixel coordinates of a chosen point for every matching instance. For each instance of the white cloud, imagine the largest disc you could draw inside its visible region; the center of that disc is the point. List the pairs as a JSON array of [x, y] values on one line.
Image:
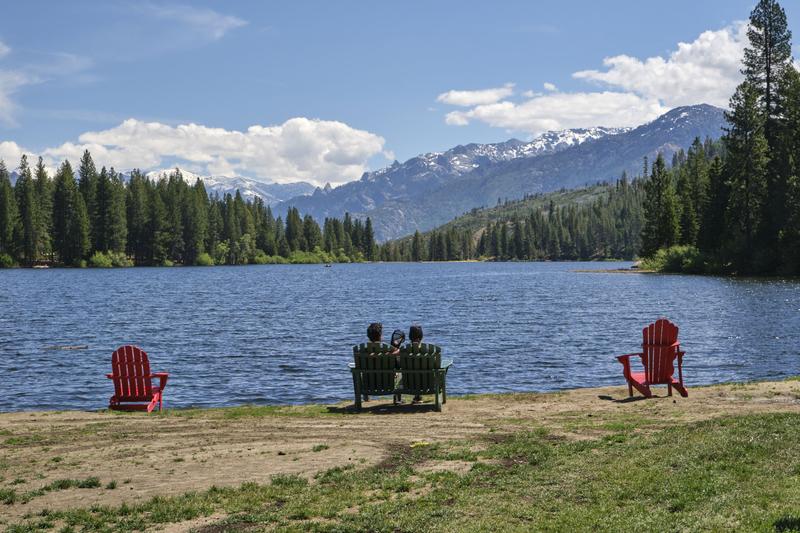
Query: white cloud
[[706, 70], [204, 21], [58, 65], [480, 97], [10, 153], [558, 111], [317, 151]]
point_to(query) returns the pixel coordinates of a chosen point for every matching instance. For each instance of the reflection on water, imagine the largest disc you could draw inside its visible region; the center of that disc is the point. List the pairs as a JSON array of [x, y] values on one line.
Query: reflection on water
[[282, 334]]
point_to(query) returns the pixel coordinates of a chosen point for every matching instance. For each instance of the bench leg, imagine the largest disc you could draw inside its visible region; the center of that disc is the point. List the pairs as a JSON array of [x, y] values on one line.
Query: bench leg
[[357, 390], [437, 405], [444, 388]]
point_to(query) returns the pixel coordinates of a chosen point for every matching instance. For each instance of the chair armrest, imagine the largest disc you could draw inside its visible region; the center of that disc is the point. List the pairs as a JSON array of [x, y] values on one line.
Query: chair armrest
[[351, 365], [110, 376], [446, 364], [624, 358], [162, 376]]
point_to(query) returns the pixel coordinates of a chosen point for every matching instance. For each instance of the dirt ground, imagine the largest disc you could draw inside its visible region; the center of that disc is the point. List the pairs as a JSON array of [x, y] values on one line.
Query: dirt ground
[[148, 455]]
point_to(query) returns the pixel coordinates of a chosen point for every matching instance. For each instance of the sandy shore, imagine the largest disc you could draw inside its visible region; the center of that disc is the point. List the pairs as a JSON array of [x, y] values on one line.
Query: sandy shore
[[136, 456]]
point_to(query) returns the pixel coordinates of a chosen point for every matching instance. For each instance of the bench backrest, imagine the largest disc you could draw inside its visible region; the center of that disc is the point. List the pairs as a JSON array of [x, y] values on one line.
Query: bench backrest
[[130, 369], [416, 357], [375, 357], [660, 348]]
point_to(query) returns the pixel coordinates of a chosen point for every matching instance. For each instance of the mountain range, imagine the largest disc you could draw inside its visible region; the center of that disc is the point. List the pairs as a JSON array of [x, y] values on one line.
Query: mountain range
[[431, 189]]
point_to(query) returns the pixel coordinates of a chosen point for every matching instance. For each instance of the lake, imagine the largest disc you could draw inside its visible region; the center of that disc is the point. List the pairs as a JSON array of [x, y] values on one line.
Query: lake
[[282, 334]]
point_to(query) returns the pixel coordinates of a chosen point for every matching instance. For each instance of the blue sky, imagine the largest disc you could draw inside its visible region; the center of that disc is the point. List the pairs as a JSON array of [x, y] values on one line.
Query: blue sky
[[363, 81]]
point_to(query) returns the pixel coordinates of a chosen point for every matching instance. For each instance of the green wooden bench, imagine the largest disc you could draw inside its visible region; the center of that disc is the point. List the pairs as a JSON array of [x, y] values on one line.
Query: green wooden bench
[[375, 371], [423, 372]]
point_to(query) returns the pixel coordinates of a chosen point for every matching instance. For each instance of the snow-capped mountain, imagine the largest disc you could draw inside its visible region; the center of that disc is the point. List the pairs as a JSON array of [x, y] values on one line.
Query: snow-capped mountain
[[271, 193], [432, 188]]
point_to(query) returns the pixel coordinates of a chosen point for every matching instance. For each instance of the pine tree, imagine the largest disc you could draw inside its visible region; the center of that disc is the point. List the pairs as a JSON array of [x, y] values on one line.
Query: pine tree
[[661, 226], [768, 55], [29, 222], [747, 160], [70, 218], [8, 212], [87, 184], [369, 241], [416, 247], [712, 228], [138, 217], [44, 201]]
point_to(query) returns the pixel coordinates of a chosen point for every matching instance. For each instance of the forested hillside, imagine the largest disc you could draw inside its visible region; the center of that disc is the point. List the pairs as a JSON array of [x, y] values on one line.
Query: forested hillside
[[740, 213]]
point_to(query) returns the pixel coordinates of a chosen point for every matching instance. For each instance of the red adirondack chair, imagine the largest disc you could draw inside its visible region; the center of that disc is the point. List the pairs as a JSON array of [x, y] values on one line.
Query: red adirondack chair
[[660, 349], [133, 381]]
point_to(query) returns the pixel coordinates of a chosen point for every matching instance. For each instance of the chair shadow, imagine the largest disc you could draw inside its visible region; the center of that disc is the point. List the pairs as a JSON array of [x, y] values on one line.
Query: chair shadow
[[384, 409], [629, 399]]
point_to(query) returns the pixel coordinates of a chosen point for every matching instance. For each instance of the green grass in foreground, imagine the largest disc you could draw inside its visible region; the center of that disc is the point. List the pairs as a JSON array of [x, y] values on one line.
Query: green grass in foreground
[[739, 473]]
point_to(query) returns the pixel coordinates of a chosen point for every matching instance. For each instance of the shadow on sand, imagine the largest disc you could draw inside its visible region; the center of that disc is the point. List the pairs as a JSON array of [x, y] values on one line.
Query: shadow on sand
[[628, 399], [384, 409]]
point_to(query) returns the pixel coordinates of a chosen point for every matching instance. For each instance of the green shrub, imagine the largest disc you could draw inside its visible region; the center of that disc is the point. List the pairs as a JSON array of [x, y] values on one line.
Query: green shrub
[[100, 260], [119, 259], [679, 258], [6, 261], [204, 260]]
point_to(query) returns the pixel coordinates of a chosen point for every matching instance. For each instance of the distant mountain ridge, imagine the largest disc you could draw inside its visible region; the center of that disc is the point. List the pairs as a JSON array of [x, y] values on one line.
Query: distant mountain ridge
[[427, 172], [431, 189], [271, 193]]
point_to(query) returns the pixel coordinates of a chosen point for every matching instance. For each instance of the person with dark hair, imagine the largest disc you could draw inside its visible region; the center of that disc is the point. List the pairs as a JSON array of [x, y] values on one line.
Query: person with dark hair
[[375, 332], [415, 336]]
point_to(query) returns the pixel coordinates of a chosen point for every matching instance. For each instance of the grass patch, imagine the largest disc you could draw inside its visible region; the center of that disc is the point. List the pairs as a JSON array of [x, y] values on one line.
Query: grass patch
[[24, 440], [251, 411], [320, 447], [729, 474], [10, 496]]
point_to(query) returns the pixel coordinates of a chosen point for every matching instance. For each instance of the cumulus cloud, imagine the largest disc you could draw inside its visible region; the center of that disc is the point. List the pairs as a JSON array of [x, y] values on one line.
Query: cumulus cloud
[[203, 20], [633, 90], [4, 49], [706, 70], [558, 111], [11, 153], [317, 151], [479, 97]]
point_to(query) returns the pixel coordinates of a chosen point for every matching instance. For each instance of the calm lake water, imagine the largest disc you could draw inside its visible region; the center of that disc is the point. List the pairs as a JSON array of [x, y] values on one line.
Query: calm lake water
[[282, 334]]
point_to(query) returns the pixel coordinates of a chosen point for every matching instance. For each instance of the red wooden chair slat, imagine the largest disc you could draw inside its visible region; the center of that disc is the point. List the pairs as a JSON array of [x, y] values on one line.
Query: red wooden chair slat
[[133, 381], [660, 351]]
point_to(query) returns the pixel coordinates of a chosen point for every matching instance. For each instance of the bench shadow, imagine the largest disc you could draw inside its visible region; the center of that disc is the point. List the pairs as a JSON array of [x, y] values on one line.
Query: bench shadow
[[383, 409], [629, 399], [787, 523]]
